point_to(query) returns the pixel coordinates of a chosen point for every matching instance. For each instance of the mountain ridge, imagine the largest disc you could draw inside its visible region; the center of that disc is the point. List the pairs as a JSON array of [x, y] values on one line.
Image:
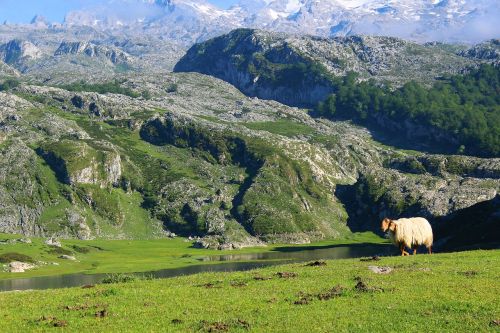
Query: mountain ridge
[[449, 20]]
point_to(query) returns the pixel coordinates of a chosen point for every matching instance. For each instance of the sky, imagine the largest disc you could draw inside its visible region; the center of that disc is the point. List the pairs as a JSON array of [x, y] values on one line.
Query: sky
[[22, 11]]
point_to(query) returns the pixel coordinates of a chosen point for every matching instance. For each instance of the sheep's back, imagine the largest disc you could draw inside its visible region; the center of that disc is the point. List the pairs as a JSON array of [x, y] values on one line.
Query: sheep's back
[[413, 231]]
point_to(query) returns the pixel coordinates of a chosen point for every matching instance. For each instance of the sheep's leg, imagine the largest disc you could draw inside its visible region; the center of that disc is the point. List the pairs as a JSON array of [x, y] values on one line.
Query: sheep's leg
[[430, 249], [402, 249], [414, 250]]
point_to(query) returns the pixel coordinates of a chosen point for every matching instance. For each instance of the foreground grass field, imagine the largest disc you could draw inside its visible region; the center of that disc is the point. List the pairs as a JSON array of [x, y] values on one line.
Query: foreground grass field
[[453, 292], [126, 256]]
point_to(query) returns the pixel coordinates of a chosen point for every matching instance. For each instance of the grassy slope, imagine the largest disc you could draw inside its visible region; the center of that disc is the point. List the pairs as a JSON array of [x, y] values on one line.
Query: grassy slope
[[455, 292], [120, 256]]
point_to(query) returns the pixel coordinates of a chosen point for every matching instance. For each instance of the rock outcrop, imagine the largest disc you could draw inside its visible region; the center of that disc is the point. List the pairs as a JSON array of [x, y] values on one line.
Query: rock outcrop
[[15, 51], [89, 49], [19, 267]]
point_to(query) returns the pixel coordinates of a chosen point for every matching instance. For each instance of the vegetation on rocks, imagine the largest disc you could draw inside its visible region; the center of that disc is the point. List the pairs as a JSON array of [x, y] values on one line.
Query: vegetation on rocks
[[234, 170], [459, 113]]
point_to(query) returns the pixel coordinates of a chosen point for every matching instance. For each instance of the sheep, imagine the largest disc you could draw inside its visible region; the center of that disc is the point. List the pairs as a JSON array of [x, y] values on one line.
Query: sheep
[[410, 232]]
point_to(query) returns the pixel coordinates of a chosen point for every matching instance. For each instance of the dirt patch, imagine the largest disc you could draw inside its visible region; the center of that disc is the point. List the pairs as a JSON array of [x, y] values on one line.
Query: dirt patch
[[239, 284], [361, 286], [77, 307], [316, 263], [261, 278], [102, 313], [334, 292], [82, 307], [214, 327], [495, 322], [211, 285], [52, 321], [88, 286], [305, 299], [469, 274], [243, 324], [219, 326], [59, 323], [286, 275], [374, 258]]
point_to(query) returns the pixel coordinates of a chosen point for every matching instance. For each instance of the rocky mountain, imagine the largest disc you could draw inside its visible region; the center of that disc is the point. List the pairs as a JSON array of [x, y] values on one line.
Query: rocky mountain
[[232, 169], [99, 139], [272, 65], [489, 50], [447, 20]]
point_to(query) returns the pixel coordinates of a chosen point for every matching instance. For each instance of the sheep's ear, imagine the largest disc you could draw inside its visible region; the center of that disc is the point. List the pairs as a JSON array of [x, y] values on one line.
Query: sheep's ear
[[392, 227]]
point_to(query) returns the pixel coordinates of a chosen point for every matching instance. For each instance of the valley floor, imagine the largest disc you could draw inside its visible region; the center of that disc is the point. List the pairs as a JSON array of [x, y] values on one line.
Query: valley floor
[[452, 292]]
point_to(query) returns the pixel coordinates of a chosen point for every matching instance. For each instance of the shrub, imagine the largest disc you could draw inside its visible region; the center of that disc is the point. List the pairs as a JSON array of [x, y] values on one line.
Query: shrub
[[14, 256], [80, 249], [8, 84], [59, 251], [172, 88]]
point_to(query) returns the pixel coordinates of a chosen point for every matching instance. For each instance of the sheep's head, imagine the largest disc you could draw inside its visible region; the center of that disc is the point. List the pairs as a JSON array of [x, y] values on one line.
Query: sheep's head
[[387, 225]]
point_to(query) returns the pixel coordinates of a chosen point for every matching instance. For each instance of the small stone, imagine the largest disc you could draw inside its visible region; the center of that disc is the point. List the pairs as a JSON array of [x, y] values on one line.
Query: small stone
[[64, 256], [53, 242], [380, 270]]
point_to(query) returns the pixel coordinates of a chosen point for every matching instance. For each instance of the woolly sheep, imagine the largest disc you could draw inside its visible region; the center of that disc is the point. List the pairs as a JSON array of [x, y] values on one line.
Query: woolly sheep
[[410, 232]]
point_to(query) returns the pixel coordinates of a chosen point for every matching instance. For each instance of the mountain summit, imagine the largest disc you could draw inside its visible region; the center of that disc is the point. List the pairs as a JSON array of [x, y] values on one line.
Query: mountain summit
[[420, 20]]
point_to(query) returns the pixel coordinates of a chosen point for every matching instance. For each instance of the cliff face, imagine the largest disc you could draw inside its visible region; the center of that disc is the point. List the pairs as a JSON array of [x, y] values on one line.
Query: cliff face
[[16, 51], [259, 67], [92, 50]]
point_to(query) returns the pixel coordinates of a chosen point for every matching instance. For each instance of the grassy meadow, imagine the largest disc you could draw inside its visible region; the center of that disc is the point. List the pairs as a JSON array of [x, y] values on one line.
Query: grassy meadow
[[126, 256], [452, 292]]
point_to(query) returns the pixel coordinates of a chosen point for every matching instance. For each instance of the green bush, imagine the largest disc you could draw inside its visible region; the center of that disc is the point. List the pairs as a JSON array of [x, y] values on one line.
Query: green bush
[[80, 249], [9, 84], [59, 251], [6, 258], [172, 88]]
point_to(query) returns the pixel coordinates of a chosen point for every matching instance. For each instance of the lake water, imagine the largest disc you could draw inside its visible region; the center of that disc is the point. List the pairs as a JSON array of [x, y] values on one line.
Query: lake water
[[220, 263]]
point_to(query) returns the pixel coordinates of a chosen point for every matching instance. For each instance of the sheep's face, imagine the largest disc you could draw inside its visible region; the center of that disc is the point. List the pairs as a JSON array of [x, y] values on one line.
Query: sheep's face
[[386, 223]]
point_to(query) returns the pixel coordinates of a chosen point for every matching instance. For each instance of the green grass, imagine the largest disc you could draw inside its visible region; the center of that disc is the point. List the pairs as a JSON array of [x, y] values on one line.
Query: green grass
[[126, 256], [454, 292], [282, 127]]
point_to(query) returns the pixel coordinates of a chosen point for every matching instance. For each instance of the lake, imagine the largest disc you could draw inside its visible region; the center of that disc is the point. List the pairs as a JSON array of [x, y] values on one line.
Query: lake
[[219, 263]]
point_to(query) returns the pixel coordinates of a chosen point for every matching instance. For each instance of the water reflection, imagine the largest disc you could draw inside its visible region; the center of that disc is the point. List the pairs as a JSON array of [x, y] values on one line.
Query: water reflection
[[229, 262]]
